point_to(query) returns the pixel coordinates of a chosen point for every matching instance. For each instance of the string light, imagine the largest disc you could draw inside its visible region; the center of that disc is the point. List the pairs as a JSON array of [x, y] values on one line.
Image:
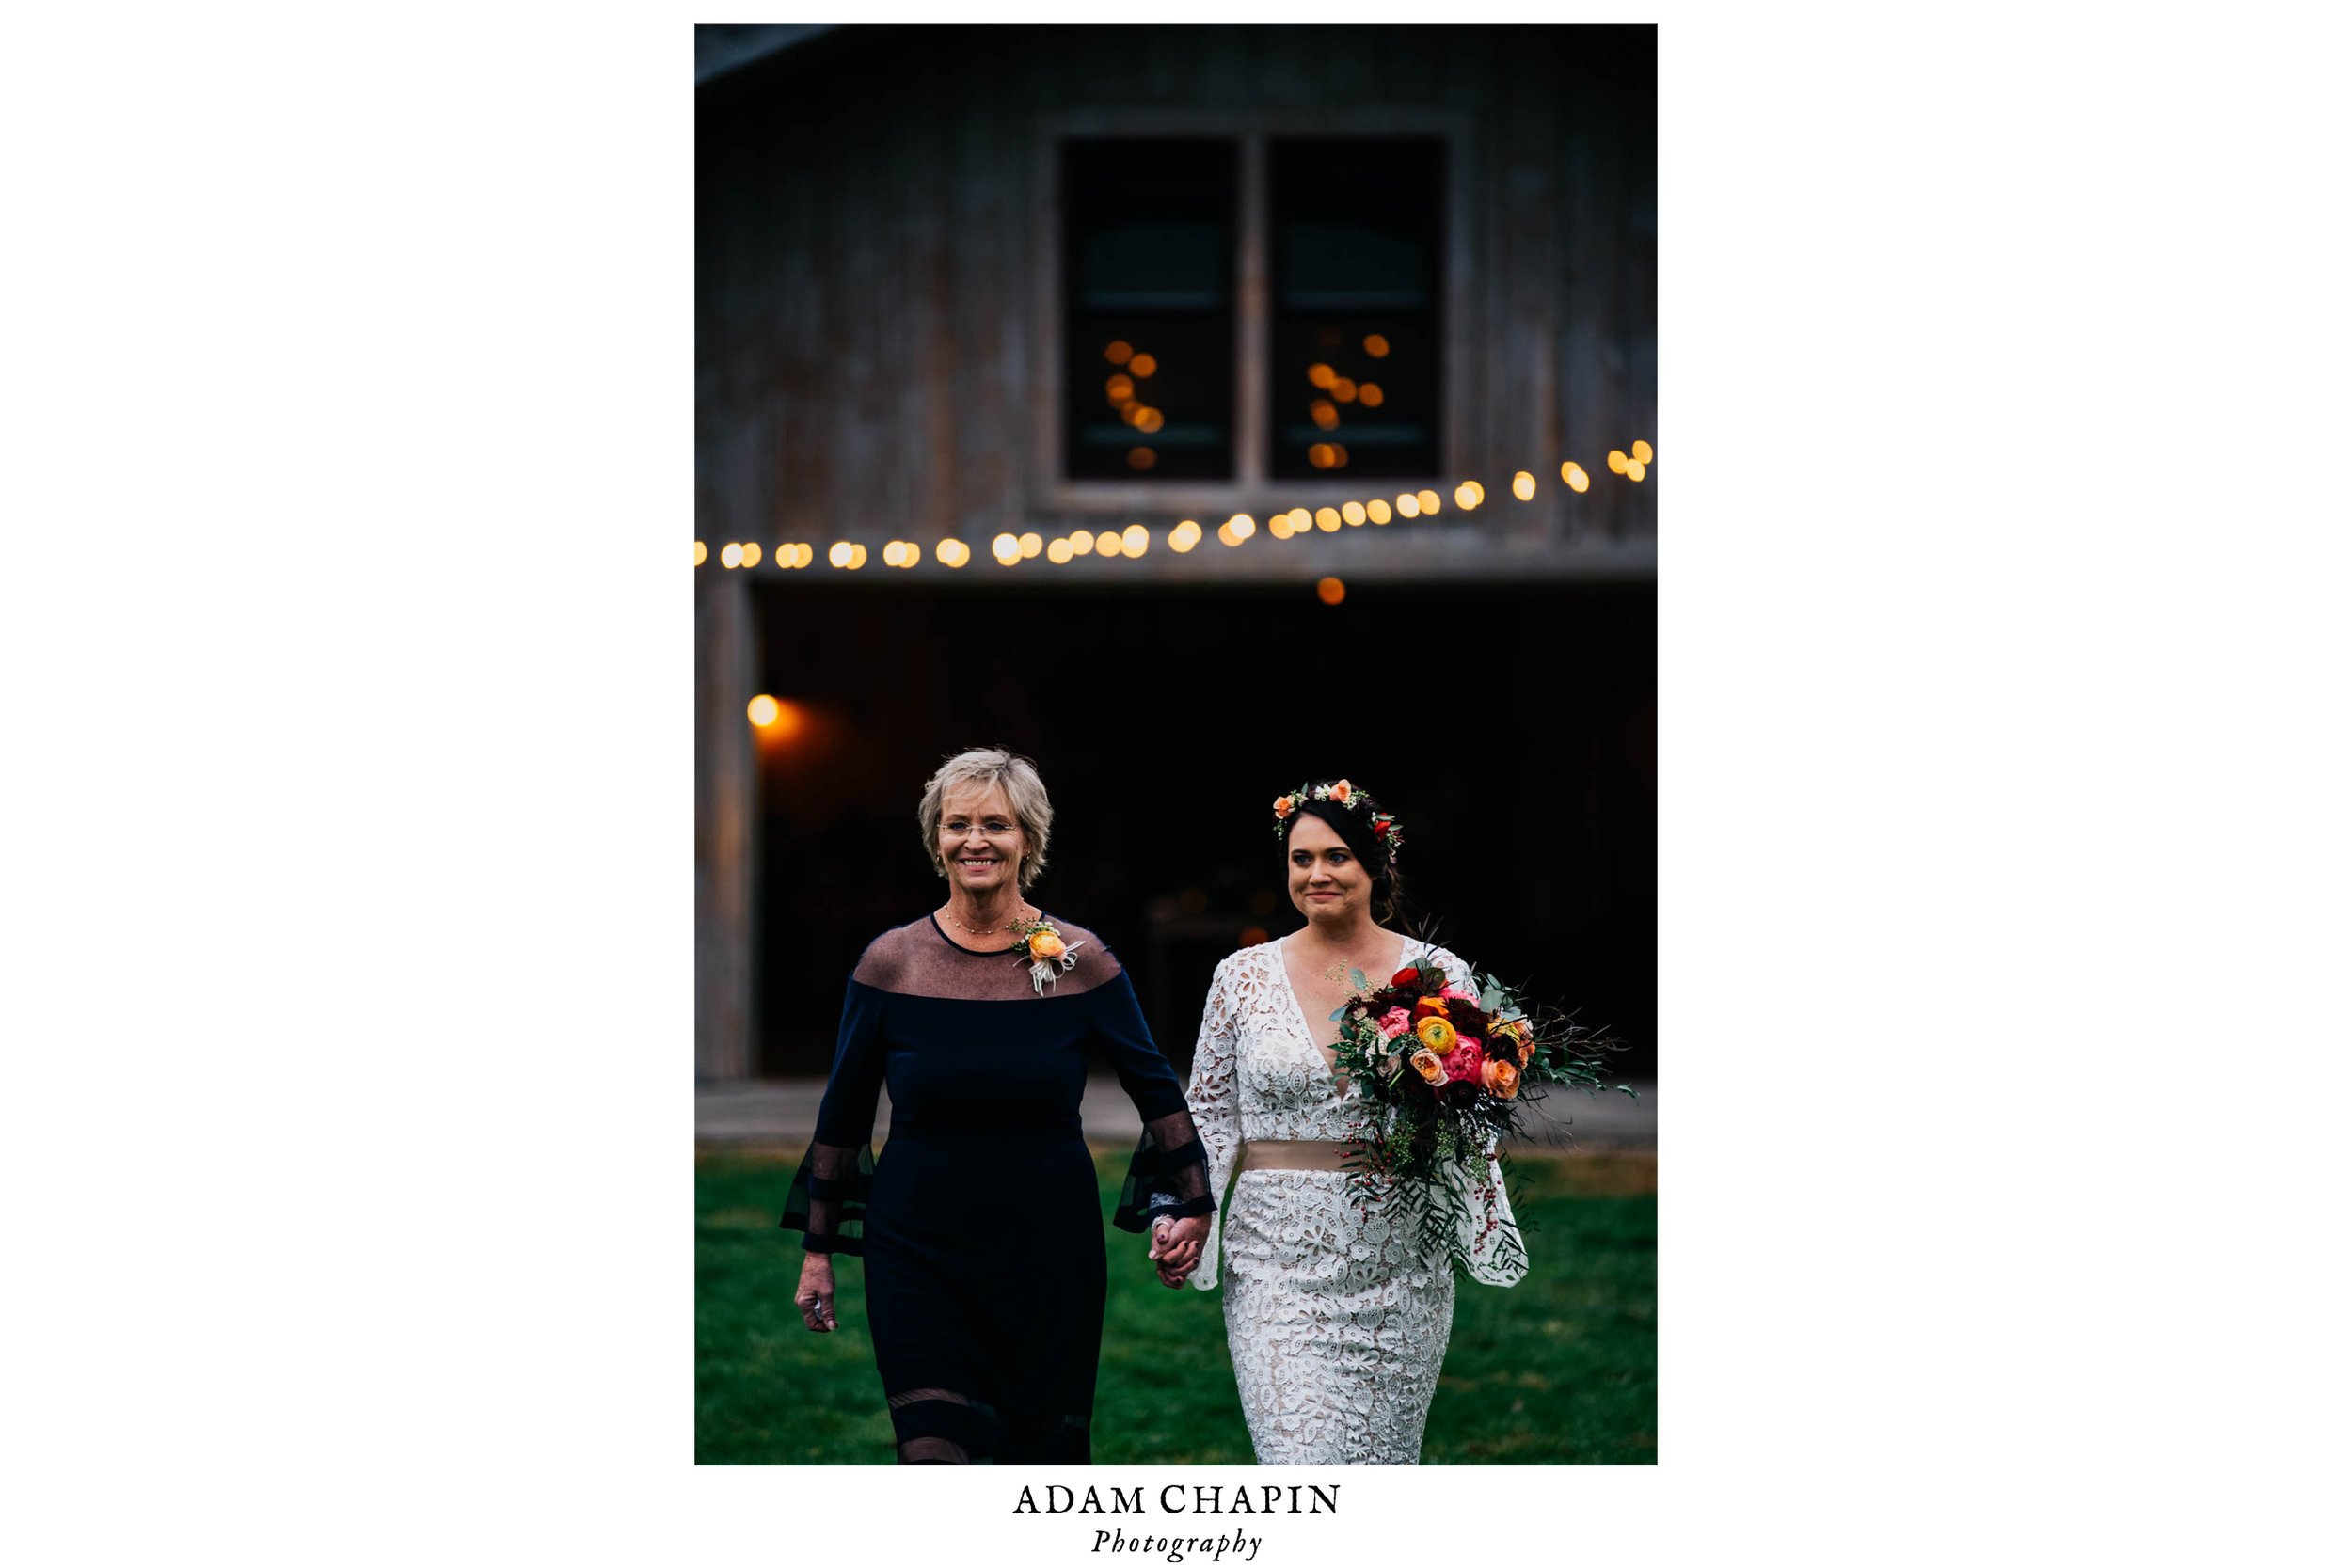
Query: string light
[[1141, 458], [1322, 375], [1119, 353], [1142, 365], [1343, 390], [1376, 346], [1370, 394], [1135, 540], [762, 710], [1330, 591]]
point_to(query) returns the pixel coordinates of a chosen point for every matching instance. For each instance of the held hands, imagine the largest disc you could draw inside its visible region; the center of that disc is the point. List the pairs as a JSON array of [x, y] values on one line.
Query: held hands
[[815, 1297], [1176, 1246]]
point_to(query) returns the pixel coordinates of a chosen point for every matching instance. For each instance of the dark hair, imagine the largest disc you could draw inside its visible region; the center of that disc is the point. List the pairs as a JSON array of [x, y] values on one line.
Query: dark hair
[[1353, 823]]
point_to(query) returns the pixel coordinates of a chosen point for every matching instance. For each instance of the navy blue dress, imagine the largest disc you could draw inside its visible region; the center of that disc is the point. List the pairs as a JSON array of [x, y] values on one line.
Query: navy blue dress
[[980, 1226]]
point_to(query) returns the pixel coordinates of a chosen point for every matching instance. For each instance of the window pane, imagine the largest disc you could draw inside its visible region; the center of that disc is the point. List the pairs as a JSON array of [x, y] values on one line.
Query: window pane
[[1147, 330], [1356, 229]]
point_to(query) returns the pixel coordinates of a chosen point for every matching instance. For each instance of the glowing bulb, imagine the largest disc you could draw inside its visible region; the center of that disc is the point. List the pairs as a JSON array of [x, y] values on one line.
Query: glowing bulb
[[702, 552], [1301, 520], [1237, 528], [762, 709], [1005, 548], [1343, 390], [1108, 543], [1523, 485], [857, 557], [1119, 353], [952, 553], [1617, 462], [1330, 591], [1338, 456], [731, 557], [751, 555], [1279, 525], [1081, 542], [1324, 416], [1226, 536], [1320, 454], [1118, 388], [1141, 458], [1370, 394], [1642, 454], [1143, 365], [1186, 534], [1059, 552], [1635, 469], [1428, 499], [1579, 481], [1376, 346], [1138, 539], [840, 554], [1322, 375], [1409, 506], [1378, 511], [1328, 519], [1352, 513], [1031, 543], [1468, 494], [1150, 420]]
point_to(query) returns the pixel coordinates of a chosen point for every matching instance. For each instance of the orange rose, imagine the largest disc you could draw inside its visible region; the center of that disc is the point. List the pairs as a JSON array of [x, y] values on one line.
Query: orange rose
[[1282, 808], [1341, 790], [1045, 944], [1501, 1079], [1427, 1064], [1436, 1034]]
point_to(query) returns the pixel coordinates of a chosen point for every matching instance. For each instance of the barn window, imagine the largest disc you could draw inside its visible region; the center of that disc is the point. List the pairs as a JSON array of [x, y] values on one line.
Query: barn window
[[1355, 229], [1147, 331]]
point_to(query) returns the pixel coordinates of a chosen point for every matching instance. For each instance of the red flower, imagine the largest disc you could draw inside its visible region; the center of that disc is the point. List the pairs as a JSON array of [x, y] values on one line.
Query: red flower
[[1409, 976]]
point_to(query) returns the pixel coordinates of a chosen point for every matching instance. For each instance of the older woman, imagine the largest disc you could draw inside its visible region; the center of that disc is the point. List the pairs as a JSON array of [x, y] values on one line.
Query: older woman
[[980, 1226], [1337, 1314]]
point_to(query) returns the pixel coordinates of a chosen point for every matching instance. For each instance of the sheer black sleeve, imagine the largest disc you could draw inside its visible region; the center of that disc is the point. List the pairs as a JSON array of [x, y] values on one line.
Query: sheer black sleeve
[[1169, 1173], [828, 1197]]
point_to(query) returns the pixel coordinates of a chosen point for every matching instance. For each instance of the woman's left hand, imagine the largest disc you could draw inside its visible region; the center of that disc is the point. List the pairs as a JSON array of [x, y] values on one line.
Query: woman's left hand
[[1176, 1247]]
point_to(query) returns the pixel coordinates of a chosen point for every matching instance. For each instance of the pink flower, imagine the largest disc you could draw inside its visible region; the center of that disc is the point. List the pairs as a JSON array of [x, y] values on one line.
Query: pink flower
[[1394, 1022], [1463, 1063], [1455, 993]]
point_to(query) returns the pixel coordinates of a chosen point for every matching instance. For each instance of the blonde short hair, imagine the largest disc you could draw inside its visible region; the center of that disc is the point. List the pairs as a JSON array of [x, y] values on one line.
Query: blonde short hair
[[1017, 777]]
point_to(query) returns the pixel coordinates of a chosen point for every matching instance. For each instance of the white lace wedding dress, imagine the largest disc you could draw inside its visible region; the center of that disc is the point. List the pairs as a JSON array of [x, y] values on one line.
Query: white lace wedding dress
[[1337, 1321]]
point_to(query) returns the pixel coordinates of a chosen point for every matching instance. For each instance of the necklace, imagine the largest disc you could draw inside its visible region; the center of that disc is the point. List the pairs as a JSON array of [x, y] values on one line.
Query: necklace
[[1339, 971], [982, 930]]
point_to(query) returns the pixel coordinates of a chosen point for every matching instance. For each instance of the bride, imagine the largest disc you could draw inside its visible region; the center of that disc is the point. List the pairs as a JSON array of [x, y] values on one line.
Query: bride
[[1337, 1318]]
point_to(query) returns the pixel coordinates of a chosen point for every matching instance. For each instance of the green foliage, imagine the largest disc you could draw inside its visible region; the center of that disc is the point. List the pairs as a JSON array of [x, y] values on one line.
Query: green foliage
[[1560, 1368]]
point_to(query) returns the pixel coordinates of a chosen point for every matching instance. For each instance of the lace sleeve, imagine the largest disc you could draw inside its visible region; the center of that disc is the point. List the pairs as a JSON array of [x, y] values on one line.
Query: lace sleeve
[[1494, 1245], [1167, 1175], [827, 1203], [1215, 1095]]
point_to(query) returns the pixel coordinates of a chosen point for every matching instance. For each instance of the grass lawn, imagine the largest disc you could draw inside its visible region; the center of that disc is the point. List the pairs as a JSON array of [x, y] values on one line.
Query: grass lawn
[[1561, 1369]]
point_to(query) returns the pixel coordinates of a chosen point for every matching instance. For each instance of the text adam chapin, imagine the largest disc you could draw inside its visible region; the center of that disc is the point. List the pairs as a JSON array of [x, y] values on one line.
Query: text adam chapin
[[1177, 1498]]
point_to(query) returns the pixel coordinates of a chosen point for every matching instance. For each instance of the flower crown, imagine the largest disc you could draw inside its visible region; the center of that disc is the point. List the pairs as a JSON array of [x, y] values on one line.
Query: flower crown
[[1384, 824]]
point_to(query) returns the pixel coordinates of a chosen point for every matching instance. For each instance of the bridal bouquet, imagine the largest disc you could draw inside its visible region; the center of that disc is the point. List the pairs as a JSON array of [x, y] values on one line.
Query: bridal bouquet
[[1445, 1072]]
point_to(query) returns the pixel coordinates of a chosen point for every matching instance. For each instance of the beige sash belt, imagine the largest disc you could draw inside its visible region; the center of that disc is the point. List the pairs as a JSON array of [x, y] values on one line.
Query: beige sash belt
[[1296, 1154]]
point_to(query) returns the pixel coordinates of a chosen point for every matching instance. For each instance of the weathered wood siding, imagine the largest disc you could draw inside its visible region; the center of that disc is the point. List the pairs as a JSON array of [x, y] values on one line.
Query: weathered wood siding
[[875, 283]]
